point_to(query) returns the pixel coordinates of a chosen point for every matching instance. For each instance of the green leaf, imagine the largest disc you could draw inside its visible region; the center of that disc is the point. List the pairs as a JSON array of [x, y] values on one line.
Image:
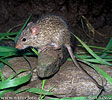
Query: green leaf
[[15, 82], [8, 34], [2, 76], [18, 25], [5, 91], [5, 62], [35, 90], [7, 51], [96, 61], [68, 98], [92, 53], [1, 39], [35, 51], [109, 45], [20, 71], [39, 91], [43, 84], [105, 97], [1, 65], [22, 28], [95, 47], [100, 71]]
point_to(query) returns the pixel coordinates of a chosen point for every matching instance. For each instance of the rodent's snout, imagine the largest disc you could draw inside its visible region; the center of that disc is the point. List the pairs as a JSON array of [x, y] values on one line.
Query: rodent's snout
[[18, 46]]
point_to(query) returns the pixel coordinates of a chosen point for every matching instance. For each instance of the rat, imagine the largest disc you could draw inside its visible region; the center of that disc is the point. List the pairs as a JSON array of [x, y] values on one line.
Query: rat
[[49, 31]]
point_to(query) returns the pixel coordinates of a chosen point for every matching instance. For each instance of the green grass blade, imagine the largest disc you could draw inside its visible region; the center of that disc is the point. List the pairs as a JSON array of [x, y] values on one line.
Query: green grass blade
[[100, 71], [2, 64], [18, 25], [109, 45], [20, 91], [10, 51], [91, 60], [35, 51], [17, 73], [35, 90], [2, 76], [48, 91], [22, 28], [8, 34], [96, 47], [84, 56], [1, 39], [5, 91], [68, 98], [39, 91], [7, 51], [105, 97], [15, 82], [107, 57], [96, 61], [43, 84], [92, 53], [6, 63]]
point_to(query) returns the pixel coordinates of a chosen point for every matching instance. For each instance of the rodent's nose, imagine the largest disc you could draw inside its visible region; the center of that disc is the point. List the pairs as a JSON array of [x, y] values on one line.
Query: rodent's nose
[[18, 46]]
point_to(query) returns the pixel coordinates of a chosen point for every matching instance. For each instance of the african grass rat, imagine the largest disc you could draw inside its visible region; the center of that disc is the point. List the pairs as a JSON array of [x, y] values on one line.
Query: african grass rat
[[48, 31]]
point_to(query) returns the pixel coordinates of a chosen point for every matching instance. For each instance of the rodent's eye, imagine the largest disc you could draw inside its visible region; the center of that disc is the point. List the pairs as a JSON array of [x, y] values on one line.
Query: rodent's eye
[[24, 39]]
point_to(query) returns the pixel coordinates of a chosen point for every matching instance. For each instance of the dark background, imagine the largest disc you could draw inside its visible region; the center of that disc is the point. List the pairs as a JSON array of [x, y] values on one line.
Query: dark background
[[97, 12]]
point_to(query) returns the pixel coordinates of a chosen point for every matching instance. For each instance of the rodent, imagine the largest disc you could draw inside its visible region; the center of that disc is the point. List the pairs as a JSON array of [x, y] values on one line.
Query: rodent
[[50, 30]]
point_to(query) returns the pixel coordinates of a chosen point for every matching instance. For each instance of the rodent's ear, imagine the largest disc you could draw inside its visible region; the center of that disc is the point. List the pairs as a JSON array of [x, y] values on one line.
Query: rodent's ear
[[29, 23], [35, 29]]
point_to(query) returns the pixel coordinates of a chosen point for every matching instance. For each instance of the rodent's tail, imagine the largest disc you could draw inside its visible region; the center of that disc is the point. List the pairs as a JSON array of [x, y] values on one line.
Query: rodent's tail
[[80, 67], [73, 57]]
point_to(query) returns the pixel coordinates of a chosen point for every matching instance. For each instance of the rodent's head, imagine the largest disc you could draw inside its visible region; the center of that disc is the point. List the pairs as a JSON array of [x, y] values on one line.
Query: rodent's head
[[28, 36]]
